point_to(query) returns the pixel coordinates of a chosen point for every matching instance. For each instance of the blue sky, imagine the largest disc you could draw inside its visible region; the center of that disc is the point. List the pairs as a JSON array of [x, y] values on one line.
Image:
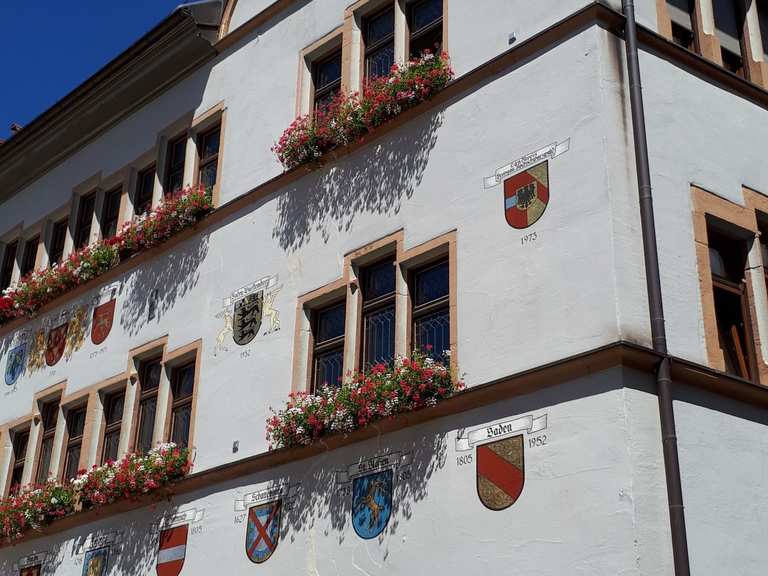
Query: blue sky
[[49, 47]]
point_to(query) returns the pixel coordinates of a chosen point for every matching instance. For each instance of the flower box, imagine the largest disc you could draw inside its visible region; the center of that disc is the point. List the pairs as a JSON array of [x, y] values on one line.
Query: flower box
[[37, 289], [406, 385], [130, 478], [348, 118]]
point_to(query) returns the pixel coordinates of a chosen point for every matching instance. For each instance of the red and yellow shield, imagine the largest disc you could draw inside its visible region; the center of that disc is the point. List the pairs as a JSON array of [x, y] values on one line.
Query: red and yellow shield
[[102, 321], [526, 196], [500, 472], [57, 340]]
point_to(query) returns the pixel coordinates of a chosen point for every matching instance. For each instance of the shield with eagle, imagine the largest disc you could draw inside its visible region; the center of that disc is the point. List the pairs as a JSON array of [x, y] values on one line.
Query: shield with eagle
[[57, 340], [263, 531], [372, 503], [102, 321], [526, 196], [247, 318], [500, 472], [14, 367]]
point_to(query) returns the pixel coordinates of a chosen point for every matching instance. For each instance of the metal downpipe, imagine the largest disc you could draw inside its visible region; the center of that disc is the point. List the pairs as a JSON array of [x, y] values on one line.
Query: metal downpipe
[[655, 306]]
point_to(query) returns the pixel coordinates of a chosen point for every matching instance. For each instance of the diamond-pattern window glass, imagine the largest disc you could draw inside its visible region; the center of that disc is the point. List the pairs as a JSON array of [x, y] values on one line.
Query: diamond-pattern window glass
[[431, 309], [329, 345]]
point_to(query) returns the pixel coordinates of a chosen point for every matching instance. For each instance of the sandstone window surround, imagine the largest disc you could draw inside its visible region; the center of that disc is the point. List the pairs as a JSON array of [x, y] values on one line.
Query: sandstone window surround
[[722, 230], [346, 350], [727, 32], [374, 34]]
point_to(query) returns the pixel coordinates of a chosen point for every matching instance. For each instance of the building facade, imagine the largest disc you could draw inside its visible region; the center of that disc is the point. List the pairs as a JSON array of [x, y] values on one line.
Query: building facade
[[497, 221]]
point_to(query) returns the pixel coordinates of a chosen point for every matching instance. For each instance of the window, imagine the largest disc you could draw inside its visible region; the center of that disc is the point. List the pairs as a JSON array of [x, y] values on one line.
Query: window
[[145, 184], [431, 309], [379, 35], [729, 29], [30, 256], [328, 350], [75, 429], [20, 443], [208, 150], [727, 257], [110, 212], [681, 14], [425, 25], [378, 282], [326, 77], [113, 419], [182, 387], [174, 171], [85, 220], [149, 381], [58, 238], [9, 261], [49, 416]]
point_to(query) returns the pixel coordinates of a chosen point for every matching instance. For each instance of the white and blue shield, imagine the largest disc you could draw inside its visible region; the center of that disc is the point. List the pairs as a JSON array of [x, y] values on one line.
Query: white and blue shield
[[372, 503], [263, 531], [17, 359]]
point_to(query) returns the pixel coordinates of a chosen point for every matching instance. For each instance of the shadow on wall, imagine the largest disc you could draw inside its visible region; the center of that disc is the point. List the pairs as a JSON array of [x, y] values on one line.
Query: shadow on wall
[[155, 288], [375, 182]]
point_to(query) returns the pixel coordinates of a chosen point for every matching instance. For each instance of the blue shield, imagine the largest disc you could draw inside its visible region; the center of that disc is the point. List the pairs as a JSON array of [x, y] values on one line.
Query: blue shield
[[371, 503], [263, 531], [95, 562], [14, 368]]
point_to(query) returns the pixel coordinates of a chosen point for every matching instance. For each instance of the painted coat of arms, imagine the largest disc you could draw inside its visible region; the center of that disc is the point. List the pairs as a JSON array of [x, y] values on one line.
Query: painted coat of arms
[[500, 458], [246, 310], [35, 570], [56, 342], [101, 325], [526, 196], [95, 562], [500, 472], [172, 551], [262, 532], [372, 503], [14, 367]]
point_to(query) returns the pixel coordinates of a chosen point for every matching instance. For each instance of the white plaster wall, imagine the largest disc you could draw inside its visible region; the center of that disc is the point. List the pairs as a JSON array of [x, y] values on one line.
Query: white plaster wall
[[723, 449], [578, 512], [546, 304]]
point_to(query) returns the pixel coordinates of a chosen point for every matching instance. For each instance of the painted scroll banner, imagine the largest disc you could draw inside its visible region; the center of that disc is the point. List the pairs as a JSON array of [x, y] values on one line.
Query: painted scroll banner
[[530, 424], [283, 491], [392, 460], [191, 516], [531, 159]]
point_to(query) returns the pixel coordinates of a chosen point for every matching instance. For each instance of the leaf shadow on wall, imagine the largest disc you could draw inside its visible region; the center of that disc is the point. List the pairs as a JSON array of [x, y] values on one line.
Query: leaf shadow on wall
[[324, 502], [133, 543], [374, 180], [155, 287], [52, 554]]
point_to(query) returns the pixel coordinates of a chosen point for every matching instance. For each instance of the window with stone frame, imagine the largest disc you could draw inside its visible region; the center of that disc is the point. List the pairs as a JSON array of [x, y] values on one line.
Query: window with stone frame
[[328, 324], [728, 258], [74, 444], [85, 211], [425, 27], [9, 262], [29, 259], [182, 393], [208, 143], [110, 212], [145, 184], [150, 372], [326, 80], [431, 313], [378, 322], [379, 38], [49, 415], [174, 164], [729, 28], [20, 445], [114, 404], [682, 14], [58, 241]]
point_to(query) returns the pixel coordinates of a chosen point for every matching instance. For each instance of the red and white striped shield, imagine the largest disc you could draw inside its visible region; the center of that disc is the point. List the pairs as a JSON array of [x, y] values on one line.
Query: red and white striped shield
[[173, 548]]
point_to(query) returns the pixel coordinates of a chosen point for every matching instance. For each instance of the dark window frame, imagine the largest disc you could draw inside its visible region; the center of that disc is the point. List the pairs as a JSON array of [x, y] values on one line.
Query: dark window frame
[[431, 307], [735, 62], [179, 403], [147, 394], [204, 162], [58, 241], [143, 196], [19, 459], [322, 95], [9, 263], [375, 305], [29, 258], [86, 209], [324, 347], [49, 416], [373, 48], [173, 169], [73, 441], [109, 219], [415, 36], [114, 427]]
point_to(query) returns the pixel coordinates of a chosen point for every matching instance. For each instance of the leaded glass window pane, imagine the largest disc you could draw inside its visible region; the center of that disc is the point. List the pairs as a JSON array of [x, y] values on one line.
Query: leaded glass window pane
[[380, 43], [72, 462], [379, 336], [329, 367], [146, 424], [45, 460], [111, 446], [180, 426], [432, 333]]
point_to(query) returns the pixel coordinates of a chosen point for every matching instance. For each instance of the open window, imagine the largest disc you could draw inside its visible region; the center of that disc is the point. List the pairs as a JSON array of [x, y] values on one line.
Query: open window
[[728, 258]]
